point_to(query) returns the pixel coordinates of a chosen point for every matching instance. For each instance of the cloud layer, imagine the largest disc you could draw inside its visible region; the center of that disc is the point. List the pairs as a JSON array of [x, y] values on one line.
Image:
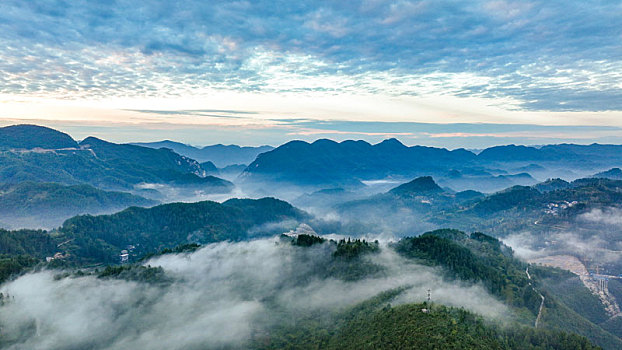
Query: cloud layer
[[536, 55], [221, 295]]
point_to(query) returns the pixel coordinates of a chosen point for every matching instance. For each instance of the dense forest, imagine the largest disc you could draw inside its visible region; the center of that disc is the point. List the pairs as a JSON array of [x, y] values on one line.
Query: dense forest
[[101, 238], [476, 258], [376, 324], [569, 305], [91, 246], [93, 240]]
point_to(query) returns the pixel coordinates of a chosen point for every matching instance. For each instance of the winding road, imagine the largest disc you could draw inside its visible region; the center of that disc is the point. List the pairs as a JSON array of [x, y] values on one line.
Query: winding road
[[541, 296]]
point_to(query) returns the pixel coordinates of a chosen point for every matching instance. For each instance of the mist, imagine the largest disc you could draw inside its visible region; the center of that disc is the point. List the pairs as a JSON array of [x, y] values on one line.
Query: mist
[[593, 236], [166, 193], [220, 296], [606, 216], [48, 219]]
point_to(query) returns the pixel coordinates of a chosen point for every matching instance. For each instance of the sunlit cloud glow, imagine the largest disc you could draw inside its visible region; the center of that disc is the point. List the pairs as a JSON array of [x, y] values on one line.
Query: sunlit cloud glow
[[508, 62]]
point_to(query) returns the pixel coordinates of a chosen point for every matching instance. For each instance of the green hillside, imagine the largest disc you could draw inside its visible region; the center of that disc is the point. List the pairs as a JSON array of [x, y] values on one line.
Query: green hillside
[[23, 249], [49, 204], [479, 258], [97, 162], [34, 136], [375, 324], [101, 238], [88, 239]]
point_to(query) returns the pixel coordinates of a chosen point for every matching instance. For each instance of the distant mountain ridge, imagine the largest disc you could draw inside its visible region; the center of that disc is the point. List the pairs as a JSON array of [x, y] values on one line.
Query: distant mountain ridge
[[34, 205], [34, 153], [325, 163], [220, 155], [334, 164], [613, 173], [39, 154]]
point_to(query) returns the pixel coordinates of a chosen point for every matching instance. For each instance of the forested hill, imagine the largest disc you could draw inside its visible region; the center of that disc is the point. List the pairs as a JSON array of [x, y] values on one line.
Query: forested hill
[[479, 258], [588, 193], [378, 325], [424, 185], [554, 203], [535, 208], [86, 239], [34, 136], [47, 205], [101, 238], [288, 320], [33, 153]]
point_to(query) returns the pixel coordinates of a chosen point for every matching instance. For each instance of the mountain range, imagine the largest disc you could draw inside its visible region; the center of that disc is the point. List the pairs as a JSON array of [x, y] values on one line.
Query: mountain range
[[584, 207], [564, 307], [219, 155], [309, 174], [34, 153], [47, 177], [329, 164]]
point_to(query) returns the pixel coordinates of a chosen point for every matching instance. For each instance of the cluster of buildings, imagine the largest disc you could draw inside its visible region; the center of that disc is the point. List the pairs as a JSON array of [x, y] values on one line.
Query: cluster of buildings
[[555, 208], [124, 257]]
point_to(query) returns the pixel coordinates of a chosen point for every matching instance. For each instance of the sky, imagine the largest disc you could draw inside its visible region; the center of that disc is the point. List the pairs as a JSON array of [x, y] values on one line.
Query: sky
[[442, 73]]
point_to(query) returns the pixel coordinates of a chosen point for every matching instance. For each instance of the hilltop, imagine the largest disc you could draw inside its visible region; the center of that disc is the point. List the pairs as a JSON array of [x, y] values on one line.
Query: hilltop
[[46, 155], [26, 137]]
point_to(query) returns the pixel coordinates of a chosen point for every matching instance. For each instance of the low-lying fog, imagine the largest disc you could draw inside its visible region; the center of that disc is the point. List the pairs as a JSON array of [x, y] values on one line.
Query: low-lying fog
[[221, 295], [594, 236]]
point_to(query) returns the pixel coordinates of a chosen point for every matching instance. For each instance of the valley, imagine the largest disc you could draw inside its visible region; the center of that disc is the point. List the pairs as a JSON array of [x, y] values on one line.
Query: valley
[[341, 258]]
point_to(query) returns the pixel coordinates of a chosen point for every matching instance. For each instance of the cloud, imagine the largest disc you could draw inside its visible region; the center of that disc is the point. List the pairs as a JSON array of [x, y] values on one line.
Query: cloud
[[544, 55], [525, 245], [213, 113], [591, 245], [607, 216], [221, 295]]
